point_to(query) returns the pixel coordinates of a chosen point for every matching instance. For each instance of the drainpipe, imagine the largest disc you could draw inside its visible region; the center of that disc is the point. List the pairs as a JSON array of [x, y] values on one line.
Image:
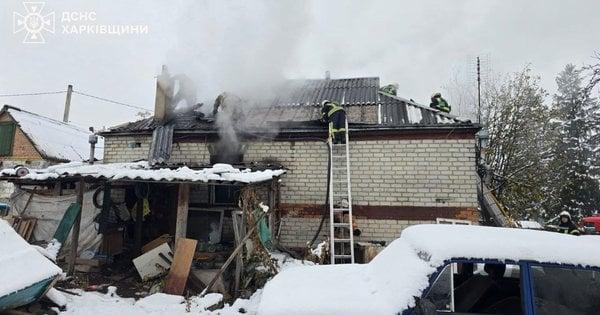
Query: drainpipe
[[93, 139]]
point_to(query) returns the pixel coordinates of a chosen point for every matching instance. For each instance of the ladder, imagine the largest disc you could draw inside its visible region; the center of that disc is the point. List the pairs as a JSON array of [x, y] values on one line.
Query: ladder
[[340, 203]]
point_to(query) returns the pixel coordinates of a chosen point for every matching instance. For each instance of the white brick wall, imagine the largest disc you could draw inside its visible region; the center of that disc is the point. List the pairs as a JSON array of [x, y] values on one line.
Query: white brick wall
[[384, 172]]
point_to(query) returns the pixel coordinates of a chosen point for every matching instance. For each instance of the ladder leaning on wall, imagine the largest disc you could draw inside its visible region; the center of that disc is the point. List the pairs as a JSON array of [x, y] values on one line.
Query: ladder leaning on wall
[[341, 238]]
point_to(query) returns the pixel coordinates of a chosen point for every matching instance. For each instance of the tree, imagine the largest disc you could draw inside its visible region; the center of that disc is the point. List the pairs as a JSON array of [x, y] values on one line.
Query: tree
[[576, 121], [518, 153]]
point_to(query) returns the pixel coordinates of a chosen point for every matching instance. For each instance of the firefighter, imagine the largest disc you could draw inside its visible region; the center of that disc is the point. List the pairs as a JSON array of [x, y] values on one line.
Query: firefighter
[[439, 103], [566, 225], [335, 116]]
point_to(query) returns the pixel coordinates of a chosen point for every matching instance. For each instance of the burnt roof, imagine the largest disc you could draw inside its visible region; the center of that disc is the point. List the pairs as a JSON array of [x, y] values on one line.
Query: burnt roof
[[297, 106]]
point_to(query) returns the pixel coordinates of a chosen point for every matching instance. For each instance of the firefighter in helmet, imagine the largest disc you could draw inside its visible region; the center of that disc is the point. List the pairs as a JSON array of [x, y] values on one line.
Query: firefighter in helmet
[[335, 116], [566, 224]]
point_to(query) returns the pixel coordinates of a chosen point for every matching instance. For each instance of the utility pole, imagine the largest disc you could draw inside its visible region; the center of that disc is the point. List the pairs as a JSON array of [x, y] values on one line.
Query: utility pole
[[68, 104], [478, 91]]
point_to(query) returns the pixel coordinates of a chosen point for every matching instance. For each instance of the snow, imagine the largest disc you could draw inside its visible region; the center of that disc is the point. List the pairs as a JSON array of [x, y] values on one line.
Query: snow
[[51, 250], [389, 283], [530, 225], [155, 304], [142, 171], [22, 265], [56, 139], [56, 297], [414, 114]]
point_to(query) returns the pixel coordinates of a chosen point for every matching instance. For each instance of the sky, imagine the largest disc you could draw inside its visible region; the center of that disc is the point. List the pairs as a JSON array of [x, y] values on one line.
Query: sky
[[246, 47]]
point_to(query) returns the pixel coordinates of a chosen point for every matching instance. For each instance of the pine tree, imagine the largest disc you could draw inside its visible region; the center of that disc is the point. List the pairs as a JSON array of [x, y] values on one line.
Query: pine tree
[[576, 121]]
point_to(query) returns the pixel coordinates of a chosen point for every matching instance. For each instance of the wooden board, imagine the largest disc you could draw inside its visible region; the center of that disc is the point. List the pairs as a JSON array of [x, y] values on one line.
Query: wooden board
[[155, 243], [180, 269]]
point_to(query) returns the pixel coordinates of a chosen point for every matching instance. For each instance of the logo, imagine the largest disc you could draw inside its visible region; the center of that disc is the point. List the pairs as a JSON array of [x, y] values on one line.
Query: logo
[[34, 23]]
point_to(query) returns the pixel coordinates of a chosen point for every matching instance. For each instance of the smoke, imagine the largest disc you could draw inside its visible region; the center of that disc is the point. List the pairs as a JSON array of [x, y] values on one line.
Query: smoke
[[242, 48]]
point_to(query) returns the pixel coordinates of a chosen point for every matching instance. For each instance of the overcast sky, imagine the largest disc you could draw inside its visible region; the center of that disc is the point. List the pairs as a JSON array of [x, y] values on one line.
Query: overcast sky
[[246, 47]]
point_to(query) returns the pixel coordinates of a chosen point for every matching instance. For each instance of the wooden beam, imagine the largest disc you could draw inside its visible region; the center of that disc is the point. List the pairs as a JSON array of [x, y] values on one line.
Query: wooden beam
[[183, 199], [76, 228], [139, 221]]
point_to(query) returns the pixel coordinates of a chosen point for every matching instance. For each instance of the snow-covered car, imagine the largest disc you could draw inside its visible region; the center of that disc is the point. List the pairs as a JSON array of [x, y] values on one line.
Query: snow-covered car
[[449, 269]]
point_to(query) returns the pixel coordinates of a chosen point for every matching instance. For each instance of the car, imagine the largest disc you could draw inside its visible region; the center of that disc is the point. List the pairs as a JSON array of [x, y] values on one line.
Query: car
[[451, 269]]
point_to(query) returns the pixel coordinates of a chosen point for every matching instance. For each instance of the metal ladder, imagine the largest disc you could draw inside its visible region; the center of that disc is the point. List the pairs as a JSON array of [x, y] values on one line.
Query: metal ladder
[[340, 203]]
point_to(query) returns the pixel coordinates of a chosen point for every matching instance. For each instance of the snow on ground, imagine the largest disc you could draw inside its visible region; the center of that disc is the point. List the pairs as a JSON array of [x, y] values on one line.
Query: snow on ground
[[21, 264], [141, 170], [160, 303]]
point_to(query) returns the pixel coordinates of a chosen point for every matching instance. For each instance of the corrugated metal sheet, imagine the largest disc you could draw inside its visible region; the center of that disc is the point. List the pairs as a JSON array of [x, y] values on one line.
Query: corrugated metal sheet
[[397, 111], [299, 101], [162, 143]]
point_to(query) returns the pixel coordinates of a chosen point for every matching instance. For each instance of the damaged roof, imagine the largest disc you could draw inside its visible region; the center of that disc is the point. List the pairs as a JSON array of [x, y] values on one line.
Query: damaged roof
[[297, 107], [53, 139]]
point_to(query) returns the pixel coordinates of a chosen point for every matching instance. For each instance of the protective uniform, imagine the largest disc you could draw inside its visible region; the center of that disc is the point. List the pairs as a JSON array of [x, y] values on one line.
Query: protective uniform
[[335, 116], [438, 102], [567, 227]]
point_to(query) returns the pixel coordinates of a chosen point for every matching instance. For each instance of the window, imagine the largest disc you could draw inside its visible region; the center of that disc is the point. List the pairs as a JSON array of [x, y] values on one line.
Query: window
[[7, 135], [471, 288], [559, 290], [225, 195]]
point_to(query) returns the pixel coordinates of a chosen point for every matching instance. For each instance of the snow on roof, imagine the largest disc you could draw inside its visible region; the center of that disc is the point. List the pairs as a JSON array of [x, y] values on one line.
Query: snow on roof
[[389, 283], [142, 171], [22, 265], [530, 225], [55, 139]]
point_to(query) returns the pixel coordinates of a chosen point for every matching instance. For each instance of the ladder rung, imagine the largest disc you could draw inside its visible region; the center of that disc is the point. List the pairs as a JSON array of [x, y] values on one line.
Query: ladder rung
[[342, 240], [341, 225], [341, 209], [340, 256]]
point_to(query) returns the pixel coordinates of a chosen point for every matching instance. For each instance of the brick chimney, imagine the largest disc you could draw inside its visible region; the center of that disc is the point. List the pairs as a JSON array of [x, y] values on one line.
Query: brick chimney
[[164, 92]]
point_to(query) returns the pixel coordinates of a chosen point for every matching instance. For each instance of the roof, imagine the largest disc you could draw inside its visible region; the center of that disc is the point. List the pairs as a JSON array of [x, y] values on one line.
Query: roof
[[296, 105], [389, 283], [23, 265], [53, 139], [141, 171]]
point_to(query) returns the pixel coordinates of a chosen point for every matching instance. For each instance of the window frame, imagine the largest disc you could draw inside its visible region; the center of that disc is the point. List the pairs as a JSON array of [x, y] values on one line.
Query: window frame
[[12, 137], [524, 273]]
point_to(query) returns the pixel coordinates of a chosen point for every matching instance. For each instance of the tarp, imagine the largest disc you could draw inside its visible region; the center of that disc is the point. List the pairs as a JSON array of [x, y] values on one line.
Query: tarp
[[49, 210]]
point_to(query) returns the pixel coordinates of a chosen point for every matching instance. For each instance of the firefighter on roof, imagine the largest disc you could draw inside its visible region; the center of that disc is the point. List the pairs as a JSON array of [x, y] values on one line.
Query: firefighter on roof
[[438, 102], [335, 116]]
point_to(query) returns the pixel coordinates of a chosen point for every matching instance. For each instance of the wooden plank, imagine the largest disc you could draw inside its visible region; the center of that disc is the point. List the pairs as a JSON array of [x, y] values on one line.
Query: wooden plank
[[31, 228], [183, 198], [156, 242], [180, 269], [76, 227]]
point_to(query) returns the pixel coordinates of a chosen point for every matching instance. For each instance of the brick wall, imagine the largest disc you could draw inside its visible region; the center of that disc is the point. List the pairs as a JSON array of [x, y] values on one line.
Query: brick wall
[[133, 148], [395, 182], [23, 149], [427, 172]]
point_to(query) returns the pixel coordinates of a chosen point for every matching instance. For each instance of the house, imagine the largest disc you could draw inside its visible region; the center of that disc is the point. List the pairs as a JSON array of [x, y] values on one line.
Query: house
[[409, 163], [35, 141]]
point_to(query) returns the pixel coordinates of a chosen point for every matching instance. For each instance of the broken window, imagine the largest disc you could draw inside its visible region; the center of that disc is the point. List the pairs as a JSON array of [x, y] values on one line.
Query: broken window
[[7, 135]]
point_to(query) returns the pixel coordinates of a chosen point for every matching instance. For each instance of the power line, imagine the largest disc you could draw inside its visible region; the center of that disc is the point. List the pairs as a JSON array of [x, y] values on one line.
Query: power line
[[30, 94], [110, 101]]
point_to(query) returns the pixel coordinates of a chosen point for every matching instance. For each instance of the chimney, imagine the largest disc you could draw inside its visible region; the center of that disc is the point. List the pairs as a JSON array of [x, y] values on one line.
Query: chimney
[[163, 95], [327, 75]]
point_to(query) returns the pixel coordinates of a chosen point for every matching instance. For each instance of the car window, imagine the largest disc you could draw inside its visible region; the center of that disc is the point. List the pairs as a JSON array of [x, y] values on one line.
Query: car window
[[559, 290], [469, 288]]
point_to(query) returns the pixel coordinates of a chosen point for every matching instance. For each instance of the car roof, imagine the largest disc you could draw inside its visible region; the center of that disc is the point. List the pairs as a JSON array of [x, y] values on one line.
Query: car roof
[[438, 243]]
